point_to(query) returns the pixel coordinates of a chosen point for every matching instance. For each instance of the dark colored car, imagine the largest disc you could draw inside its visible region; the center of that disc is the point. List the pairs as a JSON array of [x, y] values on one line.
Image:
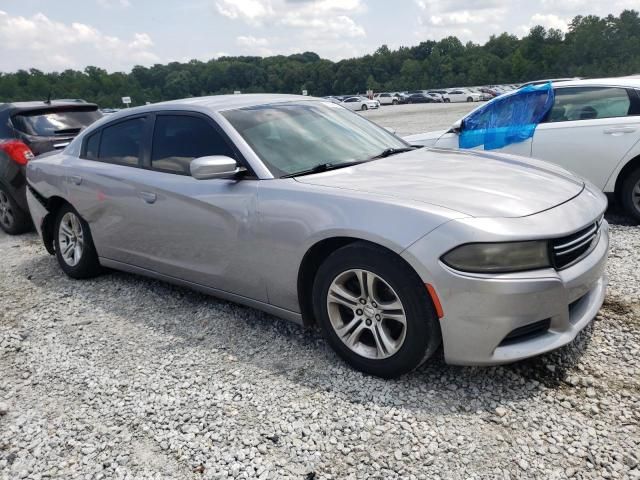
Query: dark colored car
[[420, 98], [28, 129]]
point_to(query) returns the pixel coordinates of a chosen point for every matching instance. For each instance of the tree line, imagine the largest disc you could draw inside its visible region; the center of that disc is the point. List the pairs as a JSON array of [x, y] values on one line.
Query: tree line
[[593, 46]]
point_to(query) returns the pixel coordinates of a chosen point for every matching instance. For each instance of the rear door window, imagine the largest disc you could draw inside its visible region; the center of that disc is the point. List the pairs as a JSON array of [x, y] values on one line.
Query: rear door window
[[589, 103], [52, 123], [178, 139], [122, 143]]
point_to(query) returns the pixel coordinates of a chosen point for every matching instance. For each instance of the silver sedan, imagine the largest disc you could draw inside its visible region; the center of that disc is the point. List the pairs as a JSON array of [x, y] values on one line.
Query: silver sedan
[[303, 209]]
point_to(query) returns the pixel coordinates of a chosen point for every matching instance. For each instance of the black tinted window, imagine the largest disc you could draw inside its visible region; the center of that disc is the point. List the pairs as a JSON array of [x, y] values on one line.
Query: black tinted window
[[122, 143], [51, 123], [93, 145], [178, 139]]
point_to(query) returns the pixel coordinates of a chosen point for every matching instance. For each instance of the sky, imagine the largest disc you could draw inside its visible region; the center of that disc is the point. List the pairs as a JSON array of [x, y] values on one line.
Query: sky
[[53, 35]]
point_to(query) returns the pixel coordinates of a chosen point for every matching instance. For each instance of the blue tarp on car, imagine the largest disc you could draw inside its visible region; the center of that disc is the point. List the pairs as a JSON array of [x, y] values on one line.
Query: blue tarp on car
[[508, 119]]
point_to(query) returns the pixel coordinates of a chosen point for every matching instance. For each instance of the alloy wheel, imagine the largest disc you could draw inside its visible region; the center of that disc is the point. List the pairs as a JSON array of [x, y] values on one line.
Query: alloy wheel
[[71, 239], [366, 314], [635, 195], [7, 216]]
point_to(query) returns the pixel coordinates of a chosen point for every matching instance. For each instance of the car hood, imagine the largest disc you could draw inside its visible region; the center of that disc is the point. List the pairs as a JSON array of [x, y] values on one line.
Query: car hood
[[479, 184], [428, 139]]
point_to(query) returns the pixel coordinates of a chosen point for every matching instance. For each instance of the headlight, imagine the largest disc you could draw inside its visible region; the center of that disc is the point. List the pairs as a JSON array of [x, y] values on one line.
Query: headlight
[[499, 257]]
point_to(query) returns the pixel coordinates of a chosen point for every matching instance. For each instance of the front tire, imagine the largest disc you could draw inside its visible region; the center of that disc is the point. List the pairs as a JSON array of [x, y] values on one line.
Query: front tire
[[74, 247], [631, 194], [13, 220], [375, 311], [364, 108], [469, 99]]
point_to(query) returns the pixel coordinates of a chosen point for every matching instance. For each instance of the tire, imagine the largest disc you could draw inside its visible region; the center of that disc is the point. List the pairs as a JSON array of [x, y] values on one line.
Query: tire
[[407, 347], [394, 102], [469, 99], [81, 262], [364, 108], [13, 220], [631, 194], [447, 100]]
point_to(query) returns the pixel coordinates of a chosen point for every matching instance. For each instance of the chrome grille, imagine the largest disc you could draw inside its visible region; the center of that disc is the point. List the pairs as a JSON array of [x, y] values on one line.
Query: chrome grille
[[568, 250]]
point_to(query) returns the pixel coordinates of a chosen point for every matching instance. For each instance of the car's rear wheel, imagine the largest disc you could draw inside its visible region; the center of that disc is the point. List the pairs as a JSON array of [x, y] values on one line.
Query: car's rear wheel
[[447, 100], [74, 247], [13, 220], [375, 311], [631, 194]]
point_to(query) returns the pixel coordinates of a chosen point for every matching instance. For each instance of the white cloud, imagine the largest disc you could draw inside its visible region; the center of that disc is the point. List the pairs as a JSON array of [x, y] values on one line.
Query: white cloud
[[114, 3], [254, 45], [28, 42]]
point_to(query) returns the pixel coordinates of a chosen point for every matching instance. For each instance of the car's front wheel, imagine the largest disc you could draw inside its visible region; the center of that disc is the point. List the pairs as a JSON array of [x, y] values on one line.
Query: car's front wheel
[[631, 194], [469, 99], [13, 220], [375, 311], [74, 247], [364, 107]]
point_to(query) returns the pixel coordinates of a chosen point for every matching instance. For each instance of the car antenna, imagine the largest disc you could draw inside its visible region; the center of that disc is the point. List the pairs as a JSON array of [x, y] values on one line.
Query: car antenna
[[48, 100]]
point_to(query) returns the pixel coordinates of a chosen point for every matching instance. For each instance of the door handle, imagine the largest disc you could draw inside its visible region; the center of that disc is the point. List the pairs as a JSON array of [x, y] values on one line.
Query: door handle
[[619, 130], [77, 179], [148, 197]]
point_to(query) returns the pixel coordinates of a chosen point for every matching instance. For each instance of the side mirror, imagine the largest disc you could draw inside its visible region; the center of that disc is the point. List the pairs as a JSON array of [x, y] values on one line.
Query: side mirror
[[215, 166], [456, 127], [390, 130]]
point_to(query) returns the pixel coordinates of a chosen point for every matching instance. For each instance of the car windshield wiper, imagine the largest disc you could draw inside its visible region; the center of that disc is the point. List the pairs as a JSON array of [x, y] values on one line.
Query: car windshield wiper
[[394, 151], [323, 167]]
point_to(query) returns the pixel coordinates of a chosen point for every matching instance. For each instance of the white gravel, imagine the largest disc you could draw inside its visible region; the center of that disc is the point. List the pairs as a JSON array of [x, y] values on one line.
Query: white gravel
[[127, 378]]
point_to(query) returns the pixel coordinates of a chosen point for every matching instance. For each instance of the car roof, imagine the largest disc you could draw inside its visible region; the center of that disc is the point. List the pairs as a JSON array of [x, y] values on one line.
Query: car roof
[[633, 82], [42, 105]]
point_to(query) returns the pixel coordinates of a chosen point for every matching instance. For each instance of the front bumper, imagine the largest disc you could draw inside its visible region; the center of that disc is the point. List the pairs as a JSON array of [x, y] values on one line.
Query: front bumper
[[481, 311]]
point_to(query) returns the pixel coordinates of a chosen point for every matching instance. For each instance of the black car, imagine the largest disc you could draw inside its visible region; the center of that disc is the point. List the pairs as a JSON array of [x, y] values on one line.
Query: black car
[[28, 129], [420, 98]]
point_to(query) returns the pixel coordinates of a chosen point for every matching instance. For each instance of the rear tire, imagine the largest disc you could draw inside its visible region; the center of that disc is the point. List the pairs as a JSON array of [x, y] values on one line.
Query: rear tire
[[13, 220], [389, 329], [74, 247], [447, 100], [631, 194]]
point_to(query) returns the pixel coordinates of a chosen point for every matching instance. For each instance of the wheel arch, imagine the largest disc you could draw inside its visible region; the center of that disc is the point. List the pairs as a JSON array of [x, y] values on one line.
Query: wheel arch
[[53, 204], [625, 171], [315, 256]]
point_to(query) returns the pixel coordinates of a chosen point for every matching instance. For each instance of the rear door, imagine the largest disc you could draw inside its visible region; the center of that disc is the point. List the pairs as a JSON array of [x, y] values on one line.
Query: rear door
[[589, 130]]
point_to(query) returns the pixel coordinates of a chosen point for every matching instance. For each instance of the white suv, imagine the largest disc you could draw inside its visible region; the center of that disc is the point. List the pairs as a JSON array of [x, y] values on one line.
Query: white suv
[[386, 98]]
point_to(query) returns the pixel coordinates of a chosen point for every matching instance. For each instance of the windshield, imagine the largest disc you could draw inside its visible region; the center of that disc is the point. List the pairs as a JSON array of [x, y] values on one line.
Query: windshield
[[295, 137], [56, 122]]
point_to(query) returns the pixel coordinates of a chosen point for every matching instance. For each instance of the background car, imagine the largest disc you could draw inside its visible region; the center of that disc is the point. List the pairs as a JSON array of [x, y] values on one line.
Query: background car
[[359, 103], [593, 129], [387, 248], [463, 95], [387, 98], [28, 129], [443, 94], [420, 98]]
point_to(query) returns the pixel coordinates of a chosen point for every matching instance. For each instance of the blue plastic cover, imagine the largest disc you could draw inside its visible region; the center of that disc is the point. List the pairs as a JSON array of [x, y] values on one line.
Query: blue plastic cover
[[510, 118]]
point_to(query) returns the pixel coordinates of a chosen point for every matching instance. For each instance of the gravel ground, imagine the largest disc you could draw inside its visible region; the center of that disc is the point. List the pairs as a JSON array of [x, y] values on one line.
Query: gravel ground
[[127, 378]]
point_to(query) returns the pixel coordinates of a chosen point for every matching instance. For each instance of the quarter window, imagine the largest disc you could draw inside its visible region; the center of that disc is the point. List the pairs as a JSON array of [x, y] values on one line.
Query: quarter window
[[178, 139], [122, 143], [93, 145], [588, 103]]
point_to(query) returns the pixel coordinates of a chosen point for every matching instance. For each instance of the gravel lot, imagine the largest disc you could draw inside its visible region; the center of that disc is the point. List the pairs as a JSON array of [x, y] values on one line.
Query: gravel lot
[[122, 377]]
